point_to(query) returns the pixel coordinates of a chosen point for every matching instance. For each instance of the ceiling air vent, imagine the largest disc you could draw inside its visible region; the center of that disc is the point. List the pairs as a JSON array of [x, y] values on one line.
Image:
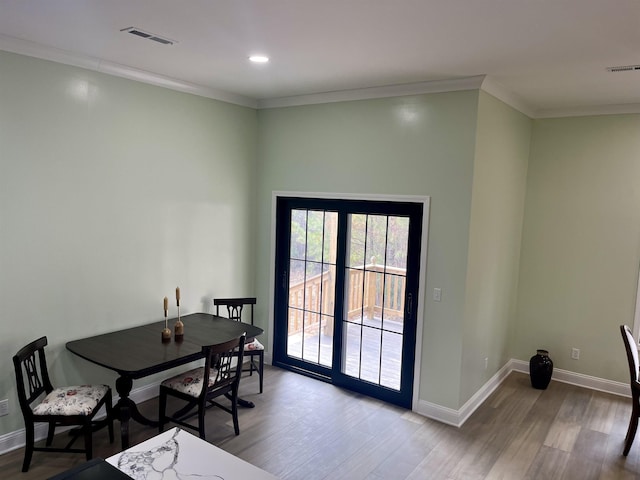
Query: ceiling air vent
[[624, 68], [150, 36], [161, 40]]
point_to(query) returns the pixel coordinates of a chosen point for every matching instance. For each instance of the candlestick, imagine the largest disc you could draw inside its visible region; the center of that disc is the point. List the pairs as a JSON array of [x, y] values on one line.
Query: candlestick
[[179, 326], [166, 333], [179, 330]]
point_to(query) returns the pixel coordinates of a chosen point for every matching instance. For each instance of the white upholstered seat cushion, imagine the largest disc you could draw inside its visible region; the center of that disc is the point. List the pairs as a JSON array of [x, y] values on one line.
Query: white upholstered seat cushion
[[189, 382], [74, 400]]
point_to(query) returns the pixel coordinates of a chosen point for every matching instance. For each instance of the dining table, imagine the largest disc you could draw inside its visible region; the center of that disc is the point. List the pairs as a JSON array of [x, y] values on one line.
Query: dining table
[[139, 351]]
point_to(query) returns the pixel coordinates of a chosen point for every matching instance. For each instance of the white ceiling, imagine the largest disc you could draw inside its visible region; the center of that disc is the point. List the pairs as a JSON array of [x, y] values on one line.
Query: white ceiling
[[545, 56]]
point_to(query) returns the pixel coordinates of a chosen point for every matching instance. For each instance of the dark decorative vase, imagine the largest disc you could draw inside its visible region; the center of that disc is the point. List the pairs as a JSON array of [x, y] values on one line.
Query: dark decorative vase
[[540, 370]]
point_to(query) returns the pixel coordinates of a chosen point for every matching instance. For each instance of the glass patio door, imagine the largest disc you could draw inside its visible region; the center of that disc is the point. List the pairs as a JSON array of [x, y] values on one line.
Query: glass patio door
[[347, 282], [311, 286]]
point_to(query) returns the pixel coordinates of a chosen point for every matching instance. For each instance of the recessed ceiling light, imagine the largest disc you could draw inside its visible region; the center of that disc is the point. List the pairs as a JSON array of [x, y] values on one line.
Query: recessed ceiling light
[[259, 59]]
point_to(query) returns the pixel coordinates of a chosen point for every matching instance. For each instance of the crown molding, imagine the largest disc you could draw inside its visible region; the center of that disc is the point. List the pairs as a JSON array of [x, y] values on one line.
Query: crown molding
[[32, 49], [496, 89], [492, 87], [483, 82], [620, 109], [434, 86]]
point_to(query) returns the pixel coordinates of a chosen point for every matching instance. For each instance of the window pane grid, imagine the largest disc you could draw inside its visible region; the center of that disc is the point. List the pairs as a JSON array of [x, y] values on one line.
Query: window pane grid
[[375, 290], [311, 285]]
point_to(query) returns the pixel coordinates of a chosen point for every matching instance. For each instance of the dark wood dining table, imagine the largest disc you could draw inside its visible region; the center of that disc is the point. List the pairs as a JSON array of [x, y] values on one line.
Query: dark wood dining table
[[139, 351]]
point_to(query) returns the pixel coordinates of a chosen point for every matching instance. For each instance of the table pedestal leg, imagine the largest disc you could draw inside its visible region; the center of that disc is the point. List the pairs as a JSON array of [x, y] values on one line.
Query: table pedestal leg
[[245, 403], [242, 402], [127, 409]]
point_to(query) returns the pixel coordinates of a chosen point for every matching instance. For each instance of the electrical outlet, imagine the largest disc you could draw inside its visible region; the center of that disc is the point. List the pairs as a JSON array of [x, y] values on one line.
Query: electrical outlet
[[575, 353], [4, 407]]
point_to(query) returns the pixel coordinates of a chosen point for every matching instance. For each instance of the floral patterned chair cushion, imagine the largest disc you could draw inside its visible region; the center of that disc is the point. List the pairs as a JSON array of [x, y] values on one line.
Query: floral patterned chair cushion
[[75, 400], [255, 345], [189, 382]]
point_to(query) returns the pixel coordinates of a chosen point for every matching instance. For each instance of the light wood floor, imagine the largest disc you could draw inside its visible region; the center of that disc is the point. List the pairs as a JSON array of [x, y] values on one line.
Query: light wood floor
[[305, 429]]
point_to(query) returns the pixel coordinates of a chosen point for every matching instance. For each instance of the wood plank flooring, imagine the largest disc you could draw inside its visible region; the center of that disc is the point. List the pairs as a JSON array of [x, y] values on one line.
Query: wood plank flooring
[[305, 429]]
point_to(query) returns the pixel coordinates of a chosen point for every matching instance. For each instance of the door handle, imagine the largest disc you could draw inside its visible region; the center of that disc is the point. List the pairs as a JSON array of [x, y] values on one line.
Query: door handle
[[409, 305]]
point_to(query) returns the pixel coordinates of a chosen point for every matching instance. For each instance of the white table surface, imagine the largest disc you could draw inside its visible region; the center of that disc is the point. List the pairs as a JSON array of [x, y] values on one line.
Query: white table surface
[[177, 454]]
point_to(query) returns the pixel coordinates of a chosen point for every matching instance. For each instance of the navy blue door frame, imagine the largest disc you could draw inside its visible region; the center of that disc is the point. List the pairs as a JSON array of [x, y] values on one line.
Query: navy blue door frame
[[334, 373]]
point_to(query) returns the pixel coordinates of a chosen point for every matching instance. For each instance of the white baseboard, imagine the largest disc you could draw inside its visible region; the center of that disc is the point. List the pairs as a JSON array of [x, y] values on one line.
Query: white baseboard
[[579, 379], [458, 417], [13, 440]]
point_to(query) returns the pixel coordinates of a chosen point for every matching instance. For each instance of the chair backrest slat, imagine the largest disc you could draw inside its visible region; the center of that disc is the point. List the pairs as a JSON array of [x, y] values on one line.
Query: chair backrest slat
[[235, 307], [32, 376], [225, 360]]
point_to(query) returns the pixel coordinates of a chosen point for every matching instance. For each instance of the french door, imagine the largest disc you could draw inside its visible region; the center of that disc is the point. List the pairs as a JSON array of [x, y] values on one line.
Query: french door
[[346, 292]]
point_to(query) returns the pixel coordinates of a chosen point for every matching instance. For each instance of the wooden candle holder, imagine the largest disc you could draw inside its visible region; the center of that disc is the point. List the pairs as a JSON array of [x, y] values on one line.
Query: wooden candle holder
[[166, 333], [179, 326], [179, 330]]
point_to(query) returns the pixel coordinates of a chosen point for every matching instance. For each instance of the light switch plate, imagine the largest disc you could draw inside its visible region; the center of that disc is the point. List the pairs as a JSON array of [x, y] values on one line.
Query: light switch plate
[[437, 294]]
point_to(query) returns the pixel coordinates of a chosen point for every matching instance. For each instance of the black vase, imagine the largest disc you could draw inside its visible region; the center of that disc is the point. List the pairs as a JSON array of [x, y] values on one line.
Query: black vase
[[540, 370]]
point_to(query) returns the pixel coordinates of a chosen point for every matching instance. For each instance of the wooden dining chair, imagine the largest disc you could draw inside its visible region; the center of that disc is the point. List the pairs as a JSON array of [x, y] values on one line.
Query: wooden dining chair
[[63, 406], [254, 349], [631, 346], [220, 376]]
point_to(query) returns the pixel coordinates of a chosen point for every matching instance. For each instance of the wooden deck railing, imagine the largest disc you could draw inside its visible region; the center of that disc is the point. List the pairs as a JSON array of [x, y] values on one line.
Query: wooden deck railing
[[366, 289]]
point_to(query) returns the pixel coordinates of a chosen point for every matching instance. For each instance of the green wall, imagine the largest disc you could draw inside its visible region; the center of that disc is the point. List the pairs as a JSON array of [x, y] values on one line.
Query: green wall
[[416, 145], [497, 209], [112, 193], [581, 243]]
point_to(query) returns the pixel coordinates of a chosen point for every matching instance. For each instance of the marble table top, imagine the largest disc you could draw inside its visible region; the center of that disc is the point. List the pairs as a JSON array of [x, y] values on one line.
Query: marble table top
[[177, 454]]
